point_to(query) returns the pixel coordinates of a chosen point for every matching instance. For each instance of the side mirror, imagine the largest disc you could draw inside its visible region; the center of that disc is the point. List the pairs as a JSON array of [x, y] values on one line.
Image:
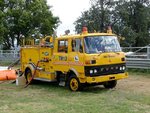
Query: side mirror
[[51, 45], [48, 44]]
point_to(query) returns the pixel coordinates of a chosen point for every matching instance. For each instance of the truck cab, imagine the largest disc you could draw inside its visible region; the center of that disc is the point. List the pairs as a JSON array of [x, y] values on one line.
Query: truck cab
[[89, 58]]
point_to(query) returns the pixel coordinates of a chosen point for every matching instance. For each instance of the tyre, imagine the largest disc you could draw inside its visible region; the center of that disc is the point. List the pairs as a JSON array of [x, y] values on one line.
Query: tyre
[[28, 76], [74, 84], [110, 84]]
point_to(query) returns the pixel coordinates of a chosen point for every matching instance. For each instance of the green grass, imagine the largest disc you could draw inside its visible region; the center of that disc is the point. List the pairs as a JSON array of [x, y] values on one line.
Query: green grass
[[49, 98], [5, 63], [139, 72]]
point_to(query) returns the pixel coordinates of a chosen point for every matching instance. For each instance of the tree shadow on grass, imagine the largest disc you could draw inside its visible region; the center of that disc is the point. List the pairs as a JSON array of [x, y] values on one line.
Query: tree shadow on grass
[[44, 84], [55, 86], [95, 89]]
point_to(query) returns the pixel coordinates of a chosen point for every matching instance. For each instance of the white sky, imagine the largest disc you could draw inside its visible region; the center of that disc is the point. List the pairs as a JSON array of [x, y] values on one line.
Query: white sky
[[68, 11]]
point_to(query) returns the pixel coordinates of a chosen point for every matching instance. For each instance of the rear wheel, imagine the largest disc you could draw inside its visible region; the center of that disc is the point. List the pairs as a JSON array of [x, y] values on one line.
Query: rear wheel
[[74, 84], [110, 84], [28, 76]]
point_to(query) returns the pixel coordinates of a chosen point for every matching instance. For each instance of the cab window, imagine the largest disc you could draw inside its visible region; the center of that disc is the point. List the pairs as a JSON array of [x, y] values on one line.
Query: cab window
[[77, 45], [63, 46]]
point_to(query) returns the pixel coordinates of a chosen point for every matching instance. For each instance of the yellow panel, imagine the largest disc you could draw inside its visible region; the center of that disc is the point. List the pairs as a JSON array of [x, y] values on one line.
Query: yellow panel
[[106, 78]]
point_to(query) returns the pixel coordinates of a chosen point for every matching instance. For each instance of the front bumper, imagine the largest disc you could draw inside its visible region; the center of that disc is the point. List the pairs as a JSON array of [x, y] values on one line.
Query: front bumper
[[99, 79]]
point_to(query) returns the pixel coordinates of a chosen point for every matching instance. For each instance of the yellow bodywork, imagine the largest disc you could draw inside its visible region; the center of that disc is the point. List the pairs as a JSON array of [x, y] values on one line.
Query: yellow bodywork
[[52, 61]]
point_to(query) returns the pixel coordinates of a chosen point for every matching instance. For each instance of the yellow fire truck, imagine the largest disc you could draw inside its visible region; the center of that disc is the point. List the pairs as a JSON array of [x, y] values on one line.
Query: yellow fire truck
[[76, 60]]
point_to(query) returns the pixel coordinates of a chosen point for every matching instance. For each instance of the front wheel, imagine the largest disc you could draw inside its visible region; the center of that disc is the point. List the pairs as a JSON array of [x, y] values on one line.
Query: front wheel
[[74, 84], [110, 84]]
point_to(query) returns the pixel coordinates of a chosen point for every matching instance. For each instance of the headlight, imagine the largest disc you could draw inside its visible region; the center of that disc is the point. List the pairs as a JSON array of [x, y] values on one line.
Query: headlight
[[91, 71], [123, 67], [95, 70]]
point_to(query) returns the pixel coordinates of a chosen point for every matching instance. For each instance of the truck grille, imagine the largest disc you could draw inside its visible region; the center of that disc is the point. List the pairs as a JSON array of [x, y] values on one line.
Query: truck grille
[[104, 69]]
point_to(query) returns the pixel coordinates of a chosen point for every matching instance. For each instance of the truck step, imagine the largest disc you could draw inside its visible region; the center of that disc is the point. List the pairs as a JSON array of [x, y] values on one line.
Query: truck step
[[62, 83]]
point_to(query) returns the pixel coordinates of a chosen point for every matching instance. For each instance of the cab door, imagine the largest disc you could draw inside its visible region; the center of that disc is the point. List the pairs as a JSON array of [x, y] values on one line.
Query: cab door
[[76, 56], [60, 56]]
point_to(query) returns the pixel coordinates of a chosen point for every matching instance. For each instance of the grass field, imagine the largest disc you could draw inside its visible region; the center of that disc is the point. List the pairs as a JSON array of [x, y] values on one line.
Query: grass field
[[131, 95]]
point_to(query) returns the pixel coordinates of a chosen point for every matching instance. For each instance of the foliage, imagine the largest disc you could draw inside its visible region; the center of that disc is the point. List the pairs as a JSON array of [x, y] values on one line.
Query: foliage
[[128, 18], [26, 18], [1, 21], [135, 22], [139, 72], [97, 17]]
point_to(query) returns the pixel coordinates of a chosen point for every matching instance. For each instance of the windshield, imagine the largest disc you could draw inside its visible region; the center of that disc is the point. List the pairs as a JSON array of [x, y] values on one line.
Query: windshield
[[98, 44]]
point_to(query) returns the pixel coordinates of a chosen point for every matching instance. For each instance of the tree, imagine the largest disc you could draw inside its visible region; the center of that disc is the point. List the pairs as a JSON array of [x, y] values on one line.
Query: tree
[[128, 18], [134, 22], [1, 21], [97, 17], [27, 18]]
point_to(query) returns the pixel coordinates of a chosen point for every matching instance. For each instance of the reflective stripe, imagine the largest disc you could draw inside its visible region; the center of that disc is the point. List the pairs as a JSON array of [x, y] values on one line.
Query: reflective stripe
[[61, 63], [76, 63], [69, 63]]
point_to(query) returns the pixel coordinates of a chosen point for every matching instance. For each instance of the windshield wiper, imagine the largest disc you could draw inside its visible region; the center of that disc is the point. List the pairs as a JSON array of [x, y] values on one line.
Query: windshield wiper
[[100, 52]]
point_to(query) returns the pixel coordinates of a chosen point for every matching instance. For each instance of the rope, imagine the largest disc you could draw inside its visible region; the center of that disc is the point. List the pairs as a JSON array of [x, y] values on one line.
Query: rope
[[14, 63]]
